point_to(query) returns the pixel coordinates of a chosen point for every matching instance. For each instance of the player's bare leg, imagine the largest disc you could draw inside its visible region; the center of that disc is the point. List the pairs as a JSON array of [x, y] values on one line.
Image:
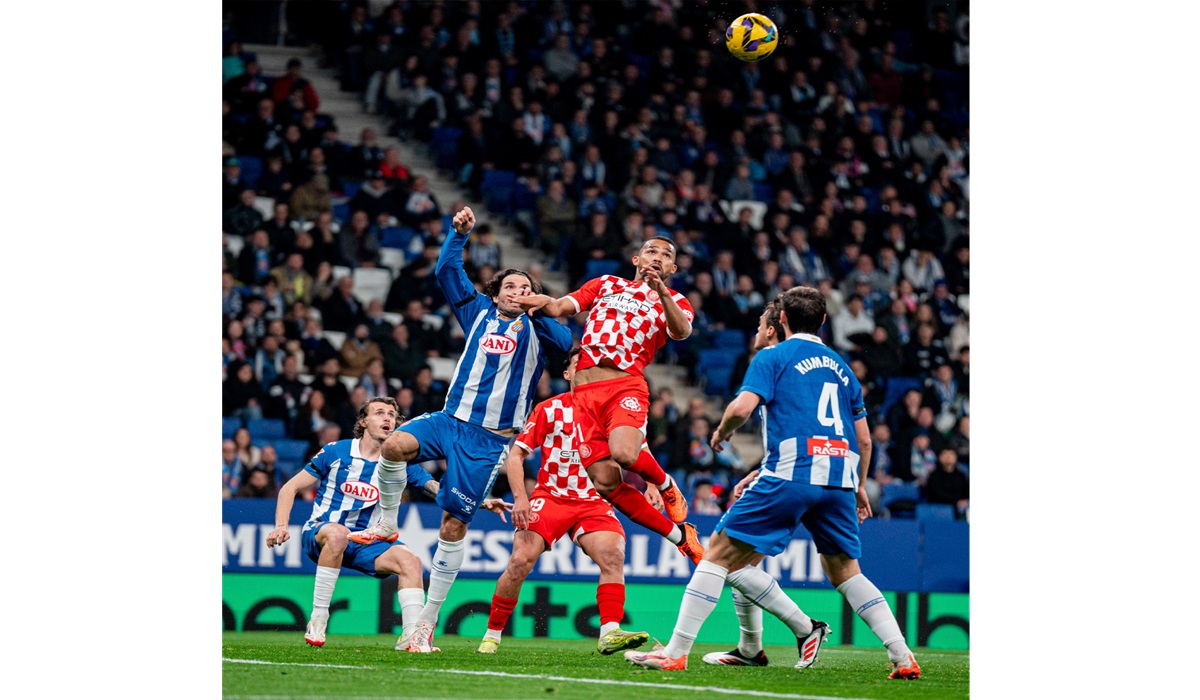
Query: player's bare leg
[[607, 549], [606, 477], [401, 561], [869, 604], [332, 539], [527, 547], [398, 449], [447, 560]]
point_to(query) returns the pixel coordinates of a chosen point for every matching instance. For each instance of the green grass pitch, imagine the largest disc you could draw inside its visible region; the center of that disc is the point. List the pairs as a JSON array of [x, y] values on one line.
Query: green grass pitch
[[277, 665]]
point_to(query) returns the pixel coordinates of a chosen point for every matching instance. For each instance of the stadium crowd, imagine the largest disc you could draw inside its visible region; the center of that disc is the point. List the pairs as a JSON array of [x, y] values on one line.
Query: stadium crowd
[[840, 162]]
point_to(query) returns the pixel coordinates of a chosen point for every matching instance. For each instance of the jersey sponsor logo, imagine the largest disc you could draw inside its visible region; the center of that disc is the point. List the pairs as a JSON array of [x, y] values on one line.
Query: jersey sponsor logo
[[631, 403], [828, 448], [361, 491], [568, 455], [464, 498], [585, 450], [494, 344], [625, 302]]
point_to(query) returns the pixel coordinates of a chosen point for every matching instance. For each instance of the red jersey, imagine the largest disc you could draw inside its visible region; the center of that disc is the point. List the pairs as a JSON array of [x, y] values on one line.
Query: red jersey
[[626, 322], [551, 427]]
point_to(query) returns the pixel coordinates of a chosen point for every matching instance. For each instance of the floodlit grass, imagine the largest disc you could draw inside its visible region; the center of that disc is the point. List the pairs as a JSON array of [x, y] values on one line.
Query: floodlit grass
[[368, 667]]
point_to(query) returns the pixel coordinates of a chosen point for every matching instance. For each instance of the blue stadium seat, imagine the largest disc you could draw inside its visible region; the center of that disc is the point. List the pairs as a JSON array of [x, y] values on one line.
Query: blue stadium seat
[[497, 188], [764, 192], [599, 268], [291, 450], [900, 499], [896, 388], [351, 188], [396, 236], [341, 212], [229, 426], [716, 380], [934, 511], [729, 339], [266, 428], [715, 358]]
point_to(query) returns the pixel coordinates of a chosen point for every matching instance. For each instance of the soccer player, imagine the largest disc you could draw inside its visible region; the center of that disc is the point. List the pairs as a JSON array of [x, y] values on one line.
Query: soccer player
[[810, 475], [563, 503], [490, 396], [628, 322], [347, 494]]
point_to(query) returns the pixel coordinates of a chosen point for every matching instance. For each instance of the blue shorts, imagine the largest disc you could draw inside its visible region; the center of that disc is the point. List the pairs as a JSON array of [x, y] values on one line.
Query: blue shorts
[[473, 457], [360, 557], [770, 510]]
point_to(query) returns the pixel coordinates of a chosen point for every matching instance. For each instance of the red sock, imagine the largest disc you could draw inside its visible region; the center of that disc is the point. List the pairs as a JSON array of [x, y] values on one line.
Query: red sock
[[633, 504], [501, 610], [647, 468], [611, 599]]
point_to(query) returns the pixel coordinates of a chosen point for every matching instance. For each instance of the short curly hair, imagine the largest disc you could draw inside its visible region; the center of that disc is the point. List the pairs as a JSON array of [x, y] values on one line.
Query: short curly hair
[[492, 288], [360, 421]]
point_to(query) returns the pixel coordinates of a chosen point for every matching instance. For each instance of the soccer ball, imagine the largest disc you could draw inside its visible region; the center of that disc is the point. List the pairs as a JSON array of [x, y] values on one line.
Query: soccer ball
[[751, 37]]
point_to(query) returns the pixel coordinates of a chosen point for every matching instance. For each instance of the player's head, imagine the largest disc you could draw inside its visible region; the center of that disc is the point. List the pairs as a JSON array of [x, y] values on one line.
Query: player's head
[[377, 418], [770, 329], [504, 288], [657, 253], [572, 364], [802, 310]]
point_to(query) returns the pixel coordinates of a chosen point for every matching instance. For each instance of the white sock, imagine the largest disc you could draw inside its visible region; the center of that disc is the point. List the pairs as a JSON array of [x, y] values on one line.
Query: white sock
[[608, 627], [870, 605], [492, 634], [327, 577], [393, 477], [699, 599], [750, 624], [666, 484], [447, 560], [675, 536], [758, 586], [411, 602]]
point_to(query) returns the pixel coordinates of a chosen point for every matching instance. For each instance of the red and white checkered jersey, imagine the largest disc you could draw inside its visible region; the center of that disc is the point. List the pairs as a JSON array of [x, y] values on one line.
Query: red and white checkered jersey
[[626, 322], [551, 427]]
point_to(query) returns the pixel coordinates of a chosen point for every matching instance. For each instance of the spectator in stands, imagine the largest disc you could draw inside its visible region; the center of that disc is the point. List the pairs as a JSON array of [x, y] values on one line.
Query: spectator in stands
[[294, 281], [958, 270], [376, 199], [367, 155], [312, 198], [923, 352], [358, 242], [328, 381], [287, 392], [324, 284], [882, 356], [258, 484], [484, 249], [960, 439], [948, 483], [248, 453], [942, 395], [556, 216], [852, 327], [357, 353], [231, 469], [232, 300], [428, 396], [313, 416], [316, 348], [293, 80], [233, 185], [421, 205], [705, 500], [902, 416], [343, 310], [242, 395], [922, 269], [379, 328], [374, 380], [243, 218]]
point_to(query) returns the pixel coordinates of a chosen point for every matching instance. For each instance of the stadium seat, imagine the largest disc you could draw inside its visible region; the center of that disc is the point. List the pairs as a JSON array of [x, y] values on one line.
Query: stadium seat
[[442, 368], [341, 212], [397, 237], [348, 381], [599, 268], [335, 338], [229, 426], [265, 206], [716, 380], [371, 283], [266, 428], [934, 511], [291, 450], [757, 209], [497, 187], [729, 339], [393, 259], [234, 243], [252, 169], [350, 188], [340, 271], [715, 358], [763, 192], [895, 390], [899, 499]]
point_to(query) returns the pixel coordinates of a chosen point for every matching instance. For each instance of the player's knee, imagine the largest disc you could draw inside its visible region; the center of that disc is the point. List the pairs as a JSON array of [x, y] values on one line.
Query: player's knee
[[399, 447], [337, 541], [625, 456], [605, 476], [611, 561]]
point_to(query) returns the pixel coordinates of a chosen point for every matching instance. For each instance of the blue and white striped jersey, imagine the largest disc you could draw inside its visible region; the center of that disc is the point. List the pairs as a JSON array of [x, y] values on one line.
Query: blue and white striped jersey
[[811, 400], [495, 382], [349, 485]]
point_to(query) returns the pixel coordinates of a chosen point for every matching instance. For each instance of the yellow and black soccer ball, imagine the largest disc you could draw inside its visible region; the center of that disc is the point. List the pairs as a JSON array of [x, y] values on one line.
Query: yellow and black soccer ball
[[751, 37]]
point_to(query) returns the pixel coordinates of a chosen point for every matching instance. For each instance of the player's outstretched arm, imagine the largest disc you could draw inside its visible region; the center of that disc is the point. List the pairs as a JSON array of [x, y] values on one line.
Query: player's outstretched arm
[[736, 414], [678, 325], [549, 306], [449, 269], [283, 505]]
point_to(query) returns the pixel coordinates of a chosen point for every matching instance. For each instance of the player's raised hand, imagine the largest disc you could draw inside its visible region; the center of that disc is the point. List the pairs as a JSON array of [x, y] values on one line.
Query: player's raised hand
[[532, 302], [278, 536], [464, 220], [497, 506], [655, 282]]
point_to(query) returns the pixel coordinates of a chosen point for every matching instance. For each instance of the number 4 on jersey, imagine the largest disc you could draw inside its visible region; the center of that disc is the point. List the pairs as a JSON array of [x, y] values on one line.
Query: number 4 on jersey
[[828, 409]]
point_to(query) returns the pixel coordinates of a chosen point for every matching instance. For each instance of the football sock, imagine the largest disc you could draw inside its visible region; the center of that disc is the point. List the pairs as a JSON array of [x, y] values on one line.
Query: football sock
[[411, 602], [648, 468], [447, 559], [762, 590], [633, 504], [699, 599], [327, 577], [870, 605], [393, 477], [498, 617], [750, 624], [610, 597]]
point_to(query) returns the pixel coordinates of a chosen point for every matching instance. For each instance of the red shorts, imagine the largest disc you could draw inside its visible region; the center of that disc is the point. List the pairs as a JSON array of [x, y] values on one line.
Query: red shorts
[[604, 405], [555, 516]]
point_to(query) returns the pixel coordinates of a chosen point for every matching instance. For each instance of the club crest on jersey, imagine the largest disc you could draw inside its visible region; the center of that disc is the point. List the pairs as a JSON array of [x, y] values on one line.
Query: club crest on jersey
[[361, 491], [631, 403], [585, 450], [652, 295], [828, 448], [516, 327], [495, 344]]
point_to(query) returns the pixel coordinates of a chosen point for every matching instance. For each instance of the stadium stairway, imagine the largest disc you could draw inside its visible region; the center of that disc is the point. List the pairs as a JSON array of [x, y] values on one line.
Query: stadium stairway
[[347, 112]]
